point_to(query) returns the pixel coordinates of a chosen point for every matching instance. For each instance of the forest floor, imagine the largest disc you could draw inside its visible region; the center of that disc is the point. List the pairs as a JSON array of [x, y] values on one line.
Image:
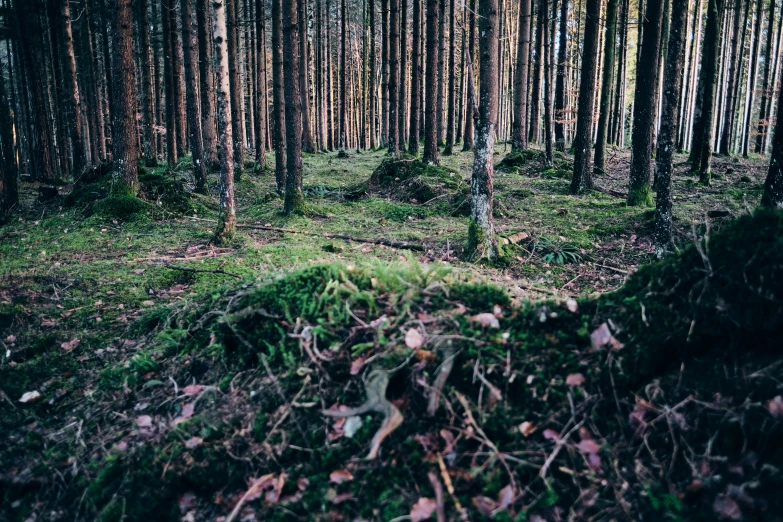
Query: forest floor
[[93, 302]]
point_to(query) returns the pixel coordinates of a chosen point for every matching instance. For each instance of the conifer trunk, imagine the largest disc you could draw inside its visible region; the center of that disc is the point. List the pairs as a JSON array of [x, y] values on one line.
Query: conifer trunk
[[149, 144], [605, 106], [431, 85], [560, 81], [467, 141], [452, 70], [237, 98], [416, 71], [304, 80], [294, 198], [261, 86], [535, 93], [403, 79], [72, 88], [206, 82], [734, 64], [190, 54], [765, 101], [278, 110], [394, 76]]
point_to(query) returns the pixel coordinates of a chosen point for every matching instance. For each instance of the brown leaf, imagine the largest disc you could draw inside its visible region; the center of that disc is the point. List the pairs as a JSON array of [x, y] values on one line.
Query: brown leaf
[[193, 389], [497, 311], [726, 508], [425, 355], [422, 509], [48, 322], [334, 498], [526, 428], [575, 379], [413, 339], [339, 476], [485, 505], [487, 320], [185, 414], [193, 442], [356, 366], [11, 339], [148, 303], [144, 421], [551, 434], [602, 336], [505, 497], [257, 486], [594, 460], [30, 396], [572, 305], [775, 406], [588, 446], [187, 502]]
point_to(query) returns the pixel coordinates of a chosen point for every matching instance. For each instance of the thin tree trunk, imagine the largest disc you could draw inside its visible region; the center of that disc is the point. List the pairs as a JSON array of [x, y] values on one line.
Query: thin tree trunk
[[403, 105], [343, 122], [206, 80], [294, 198], [385, 73], [731, 95], [710, 69], [560, 81], [469, 107], [519, 127], [394, 75], [441, 68], [416, 72], [765, 92], [583, 176], [373, 74], [548, 145], [773, 185], [72, 88], [304, 80], [535, 94], [148, 141], [261, 85], [169, 79], [605, 105], [237, 98], [190, 54], [431, 85], [754, 54], [278, 111], [452, 70]]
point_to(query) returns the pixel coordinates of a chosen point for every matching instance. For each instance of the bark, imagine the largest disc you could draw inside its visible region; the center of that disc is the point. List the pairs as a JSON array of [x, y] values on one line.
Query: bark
[[373, 73], [583, 177], [452, 81], [752, 79], [535, 95], [343, 122], [441, 67], [402, 126], [206, 81], [261, 86], [124, 138], [431, 84], [416, 72], [481, 232], [235, 81], [605, 106], [9, 191], [294, 198], [519, 125], [29, 31], [734, 63], [467, 143], [278, 110], [666, 138], [560, 81], [645, 109], [227, 219], [149, 144], [72, 89], [384, 72], [773, 186], [548, 145], [304, 79], [763, 116], [394, 76], [709, 74], [190, 54], [95, 86], [169, 79]]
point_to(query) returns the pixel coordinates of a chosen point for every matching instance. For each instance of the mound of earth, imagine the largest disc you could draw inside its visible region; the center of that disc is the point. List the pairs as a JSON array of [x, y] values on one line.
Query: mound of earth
[[658, 401]]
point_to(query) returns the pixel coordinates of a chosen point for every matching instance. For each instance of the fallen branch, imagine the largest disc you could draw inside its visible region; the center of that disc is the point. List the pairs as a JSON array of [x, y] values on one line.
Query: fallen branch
[[386, 242], [610, 192], [195, 270]]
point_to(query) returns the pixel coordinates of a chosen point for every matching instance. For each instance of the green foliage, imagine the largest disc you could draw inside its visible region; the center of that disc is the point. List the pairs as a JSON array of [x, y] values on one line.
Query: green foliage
[[557, 253]]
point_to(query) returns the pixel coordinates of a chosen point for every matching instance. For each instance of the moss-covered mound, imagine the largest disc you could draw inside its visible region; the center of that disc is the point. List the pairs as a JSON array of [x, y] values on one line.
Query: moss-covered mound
[[517, 159], [654, 402], [408, 180]]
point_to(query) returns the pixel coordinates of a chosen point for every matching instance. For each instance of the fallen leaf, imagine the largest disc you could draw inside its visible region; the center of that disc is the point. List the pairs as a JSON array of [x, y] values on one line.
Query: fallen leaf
[[422, 509], [356, 365], [572, 305], [505, 497], [485, 505], [486, 319], [193, 442], [257, 486], [185, 414], [187, 502], [334, 498], [526, 428], [594, 461], [602, 337], [193, 389], [138, 271], [339, 476], [725, 507], [551, 434], [497, 311], [352, 425], [588, 446], [413, 339], [425, 355], [575, 379], [775, 406], [48, 322], [70, 345], [11, 339], [144, 421], [30, 396], [148, 303]]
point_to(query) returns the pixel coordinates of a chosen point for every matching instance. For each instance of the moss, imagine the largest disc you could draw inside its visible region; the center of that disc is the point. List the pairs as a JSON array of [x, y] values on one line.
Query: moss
[[121, 207], [516, 159], [480, 245], [641, 197]]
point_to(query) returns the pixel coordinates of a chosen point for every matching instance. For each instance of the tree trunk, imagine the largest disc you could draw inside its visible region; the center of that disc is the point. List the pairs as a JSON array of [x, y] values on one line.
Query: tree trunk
[[278, 110], [148, 141], [343, 122], [227, 220], [394, 75], [237, 98], [560, 81], [548, 145], [416, 72], [190, 54], [72, 88], [752, 78], [710, 64], [402, 81], [606, 87], [261, 86], [481, 231], [384, 73], [734, 64], [535, 94], [169, 80], [124, 137], [666, 138], [431, 85], [304, 80], [294, 198], [467, 143], [206, 80], [9, 191], [645, 110], [373, 74], [452, 81], [765, 92], [773, 186], [583, 176], [441, 68]]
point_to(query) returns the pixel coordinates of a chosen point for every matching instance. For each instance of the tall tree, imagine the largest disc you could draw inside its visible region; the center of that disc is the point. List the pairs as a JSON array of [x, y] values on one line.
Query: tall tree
[[304, 80], [765, 92], [402, 126], [227, 219], [394, 75], [773, 186], [261, 86], [519, 125], [583, 176], [645, 108], [235, 81], [728, 115], [9, 191], [752, 78], [72, 88], [206, 81], [548, 138], [343, 123], [169, 80], [441, 67], [384, 72], [481, 231], [190, 53], [278, 112], [560, 80], [431, 85], [672, 84], [535, 89], [605, 106], [294, 198], [416, 72], [149, 143], [124, 137], [373, 74], [452, 81], [467, 140]]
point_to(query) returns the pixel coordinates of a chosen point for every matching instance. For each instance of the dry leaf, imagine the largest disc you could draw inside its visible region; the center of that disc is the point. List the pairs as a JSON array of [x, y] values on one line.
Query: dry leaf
[[505, 497], [422, 509], [487, 320], [339, 476], [148, 303], [70, 345], [11, 339], [187, 412], [575, 379], [425, 355], [775, 406], [356, 366], [497, 311], [588, 446], [48, 322], [144, 421], [572, 305], [526, 428], [193, 389], [602, 337], [414, 339], [193, 442], [485, 505], [726, 508], [187, 502], [551, 434], [30, 396]]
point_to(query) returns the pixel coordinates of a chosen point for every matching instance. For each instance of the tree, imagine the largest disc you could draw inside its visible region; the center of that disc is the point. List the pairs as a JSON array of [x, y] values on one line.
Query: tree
[[583, 177], [645, 108], [226, 227], [72, 88], [672, 85], [125, 149], [169, 80], [206, 82], [416, 71], [149, 143], [467, 140], [190, 53], [441, 68], [752, 75], [548, 146], [481, 232], [237, 96], [294, 198], [606, 87], [402, 126], [373, 73], [261, 86], [278, 109], [448, 150], [394, 76], [763, 116], [519, 125], [304, 80], [431, 83], [9, 192], [384, 72], [535, 89], [728, 114], [343, 132], [773, 186], [560, 80]]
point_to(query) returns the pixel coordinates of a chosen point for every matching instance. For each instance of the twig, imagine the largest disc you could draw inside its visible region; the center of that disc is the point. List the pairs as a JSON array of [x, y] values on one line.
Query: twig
[[386, 242], [438, 488], [610, 192], [8, 399], [195, 270], [618, 270]]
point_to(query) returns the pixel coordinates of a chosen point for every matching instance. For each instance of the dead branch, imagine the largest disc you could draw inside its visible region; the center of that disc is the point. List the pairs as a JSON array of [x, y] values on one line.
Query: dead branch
[[197, 271]]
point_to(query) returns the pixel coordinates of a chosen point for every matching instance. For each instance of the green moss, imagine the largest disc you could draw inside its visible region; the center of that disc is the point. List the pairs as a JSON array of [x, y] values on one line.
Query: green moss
[[121, 207], [640, 197]]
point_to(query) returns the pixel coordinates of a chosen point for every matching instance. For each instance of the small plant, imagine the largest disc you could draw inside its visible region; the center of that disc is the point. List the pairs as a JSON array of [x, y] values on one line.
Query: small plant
[[558, 253]]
